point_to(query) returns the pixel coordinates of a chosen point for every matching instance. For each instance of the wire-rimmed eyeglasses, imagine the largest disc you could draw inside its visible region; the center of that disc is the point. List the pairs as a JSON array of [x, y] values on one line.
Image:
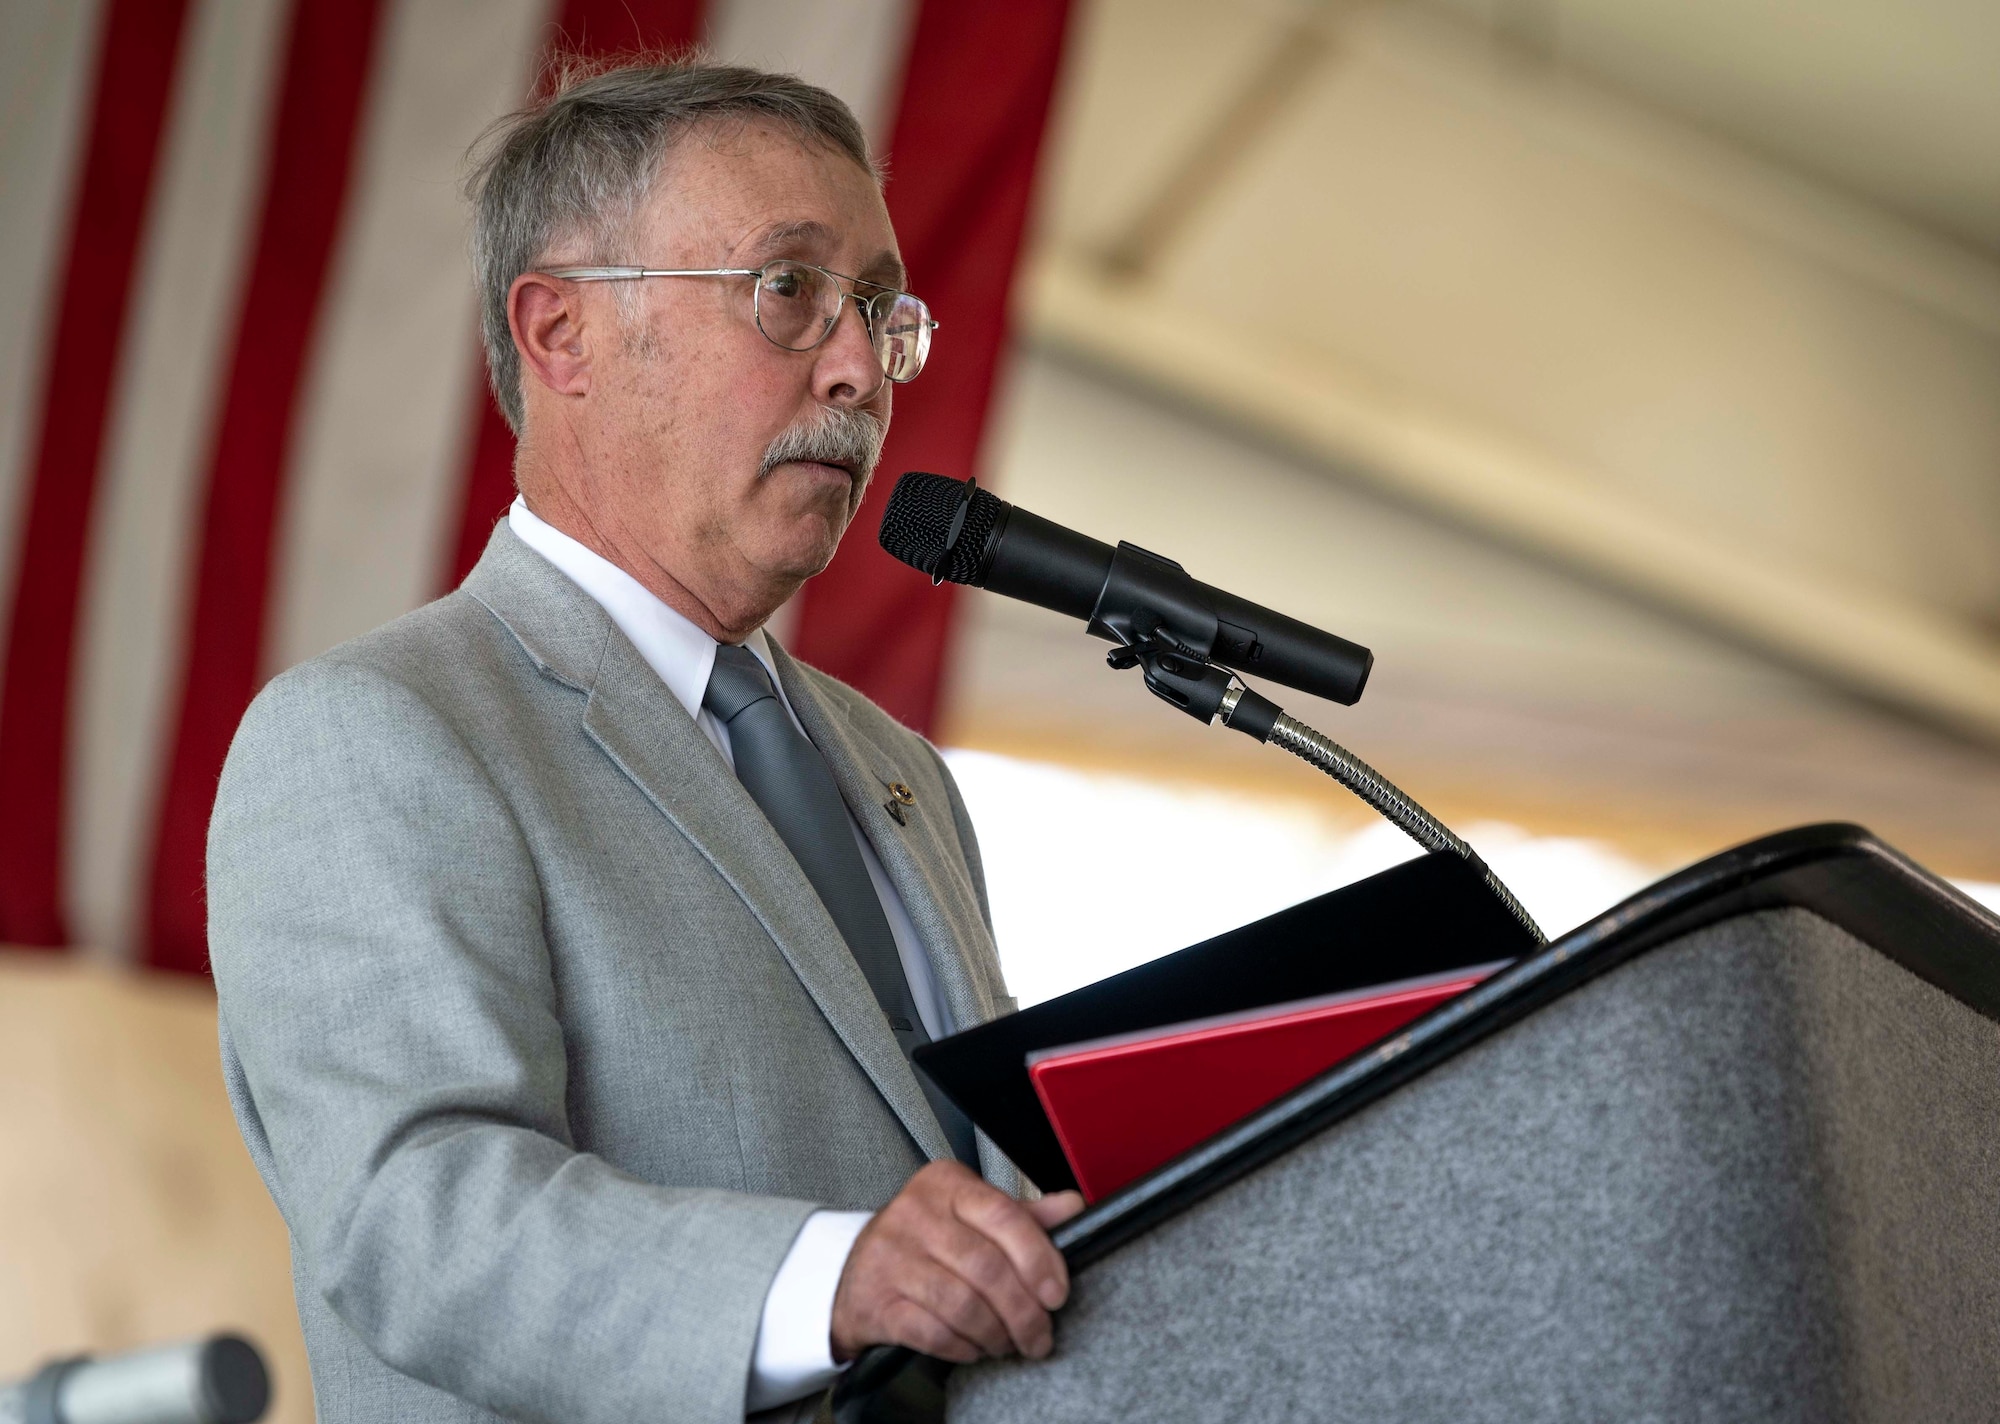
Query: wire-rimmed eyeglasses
[[798, 304]]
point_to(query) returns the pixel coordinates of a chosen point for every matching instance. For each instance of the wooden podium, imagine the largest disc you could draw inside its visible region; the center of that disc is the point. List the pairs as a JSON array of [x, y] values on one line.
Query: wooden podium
[[1729, 1151]]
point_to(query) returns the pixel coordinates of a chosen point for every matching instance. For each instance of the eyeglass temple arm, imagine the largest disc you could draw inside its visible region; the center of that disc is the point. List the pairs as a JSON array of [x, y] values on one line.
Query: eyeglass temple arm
[[621, 274]]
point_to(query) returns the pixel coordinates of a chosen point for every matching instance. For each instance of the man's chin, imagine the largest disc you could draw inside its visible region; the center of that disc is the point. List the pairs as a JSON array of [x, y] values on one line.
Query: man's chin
[[810, 546]]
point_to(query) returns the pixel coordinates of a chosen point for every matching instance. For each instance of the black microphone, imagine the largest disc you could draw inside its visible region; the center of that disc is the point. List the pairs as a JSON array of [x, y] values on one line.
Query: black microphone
[[952, 529]]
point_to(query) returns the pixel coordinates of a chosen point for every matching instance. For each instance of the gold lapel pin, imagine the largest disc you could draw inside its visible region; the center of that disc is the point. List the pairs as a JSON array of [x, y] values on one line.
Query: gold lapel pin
[[900, 798]]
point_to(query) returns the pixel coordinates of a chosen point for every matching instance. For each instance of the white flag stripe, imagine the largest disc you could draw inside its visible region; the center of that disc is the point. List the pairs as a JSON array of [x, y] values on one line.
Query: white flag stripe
[[132, 623], [856, 49], [48, 60], [370, 503]]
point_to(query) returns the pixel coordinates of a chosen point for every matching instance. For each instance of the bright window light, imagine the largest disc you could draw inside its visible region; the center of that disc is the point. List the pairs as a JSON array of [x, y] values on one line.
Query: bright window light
[[1092, 873]]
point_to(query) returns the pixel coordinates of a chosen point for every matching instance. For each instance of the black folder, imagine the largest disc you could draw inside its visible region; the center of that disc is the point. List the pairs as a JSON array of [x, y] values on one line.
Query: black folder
[[1426, 916]]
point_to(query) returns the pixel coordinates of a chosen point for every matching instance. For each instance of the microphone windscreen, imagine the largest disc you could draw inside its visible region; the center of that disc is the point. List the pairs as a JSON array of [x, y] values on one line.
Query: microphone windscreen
[[917, 525]]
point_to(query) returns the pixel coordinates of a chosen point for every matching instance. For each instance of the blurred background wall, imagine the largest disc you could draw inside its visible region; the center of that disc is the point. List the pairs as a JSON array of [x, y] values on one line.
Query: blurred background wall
[[1625, 373]]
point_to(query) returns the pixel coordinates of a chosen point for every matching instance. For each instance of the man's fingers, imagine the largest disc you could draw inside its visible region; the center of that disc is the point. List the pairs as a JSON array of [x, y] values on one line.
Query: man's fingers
[[1053, 1210], [955, 1268], [1036, 1261], [954, 1300], [978, 1260], [908, 1323]]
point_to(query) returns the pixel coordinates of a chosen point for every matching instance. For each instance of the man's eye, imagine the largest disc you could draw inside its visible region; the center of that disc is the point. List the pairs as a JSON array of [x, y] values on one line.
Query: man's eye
[[785, 284]]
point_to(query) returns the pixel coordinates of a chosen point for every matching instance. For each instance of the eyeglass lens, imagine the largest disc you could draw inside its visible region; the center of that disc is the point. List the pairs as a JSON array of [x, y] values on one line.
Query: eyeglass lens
[[900, 327], [797, 306]]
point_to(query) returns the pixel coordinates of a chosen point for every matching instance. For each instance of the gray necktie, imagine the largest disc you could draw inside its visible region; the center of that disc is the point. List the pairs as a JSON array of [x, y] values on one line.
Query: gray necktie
[[788, 778]]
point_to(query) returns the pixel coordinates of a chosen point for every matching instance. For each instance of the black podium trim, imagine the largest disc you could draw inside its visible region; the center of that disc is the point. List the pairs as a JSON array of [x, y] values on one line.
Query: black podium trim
[[1840, 872]]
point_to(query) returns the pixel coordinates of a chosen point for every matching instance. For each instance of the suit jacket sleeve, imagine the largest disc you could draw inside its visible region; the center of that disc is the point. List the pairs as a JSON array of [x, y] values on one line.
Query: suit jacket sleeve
[[384, 983]]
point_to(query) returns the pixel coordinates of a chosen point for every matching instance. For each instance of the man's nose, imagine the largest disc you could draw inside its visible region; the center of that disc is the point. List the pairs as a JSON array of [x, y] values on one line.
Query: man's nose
[[848, 372]]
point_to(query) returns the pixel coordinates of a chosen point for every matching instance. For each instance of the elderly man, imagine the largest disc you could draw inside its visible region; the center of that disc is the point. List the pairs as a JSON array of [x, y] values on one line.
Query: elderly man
[[570, 938]]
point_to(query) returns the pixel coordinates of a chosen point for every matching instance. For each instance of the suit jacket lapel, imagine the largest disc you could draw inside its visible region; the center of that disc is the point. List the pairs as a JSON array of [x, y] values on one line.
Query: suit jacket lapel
[[940, 900], [940, 903], [650, 737]]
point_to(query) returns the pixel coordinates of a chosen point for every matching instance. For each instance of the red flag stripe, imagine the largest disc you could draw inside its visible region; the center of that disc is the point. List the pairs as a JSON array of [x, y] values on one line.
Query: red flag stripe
[[131, 627], [319, 108], [139, 49], [962, 161], [583, 27]]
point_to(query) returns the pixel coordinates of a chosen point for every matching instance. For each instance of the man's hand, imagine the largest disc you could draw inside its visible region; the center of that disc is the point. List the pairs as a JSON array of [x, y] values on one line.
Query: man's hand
[[955, 1268]]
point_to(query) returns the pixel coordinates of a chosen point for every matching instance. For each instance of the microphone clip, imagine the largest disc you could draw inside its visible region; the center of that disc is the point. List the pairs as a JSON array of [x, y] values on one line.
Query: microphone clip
[[1182, 677], [1149, 599]]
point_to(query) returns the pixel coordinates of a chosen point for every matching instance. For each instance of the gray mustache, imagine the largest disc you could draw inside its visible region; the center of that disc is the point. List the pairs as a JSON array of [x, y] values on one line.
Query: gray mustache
[[840, 436]]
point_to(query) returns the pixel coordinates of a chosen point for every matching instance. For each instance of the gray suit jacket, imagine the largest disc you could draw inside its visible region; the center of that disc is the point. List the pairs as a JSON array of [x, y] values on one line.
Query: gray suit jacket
[[541, 1040]]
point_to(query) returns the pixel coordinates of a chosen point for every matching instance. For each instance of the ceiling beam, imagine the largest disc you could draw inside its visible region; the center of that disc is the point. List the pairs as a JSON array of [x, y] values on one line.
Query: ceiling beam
[[1927, 660], [1297, 54]]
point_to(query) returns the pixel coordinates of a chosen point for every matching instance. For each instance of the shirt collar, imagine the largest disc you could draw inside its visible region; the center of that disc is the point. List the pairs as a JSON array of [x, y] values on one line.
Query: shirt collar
[[671, 643]]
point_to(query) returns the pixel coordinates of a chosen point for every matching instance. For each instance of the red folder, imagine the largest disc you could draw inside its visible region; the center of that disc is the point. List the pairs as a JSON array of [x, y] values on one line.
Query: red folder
[[1122, 1106]]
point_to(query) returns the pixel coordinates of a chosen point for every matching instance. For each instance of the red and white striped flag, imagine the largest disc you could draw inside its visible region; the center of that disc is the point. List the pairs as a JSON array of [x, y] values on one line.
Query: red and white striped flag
[[241, 405]]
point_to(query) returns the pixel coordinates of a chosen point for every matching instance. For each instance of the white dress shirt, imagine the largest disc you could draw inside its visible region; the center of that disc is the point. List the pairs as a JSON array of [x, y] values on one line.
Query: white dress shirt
[[794, 1355]]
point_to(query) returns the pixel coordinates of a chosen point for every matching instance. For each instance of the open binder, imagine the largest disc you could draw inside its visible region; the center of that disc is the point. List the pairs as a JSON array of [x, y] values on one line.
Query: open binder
[[1126, 1104], [1436, 915]]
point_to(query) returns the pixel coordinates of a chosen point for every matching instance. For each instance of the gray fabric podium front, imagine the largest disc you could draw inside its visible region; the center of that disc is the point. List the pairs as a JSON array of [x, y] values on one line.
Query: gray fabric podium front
[[1730, 1152]]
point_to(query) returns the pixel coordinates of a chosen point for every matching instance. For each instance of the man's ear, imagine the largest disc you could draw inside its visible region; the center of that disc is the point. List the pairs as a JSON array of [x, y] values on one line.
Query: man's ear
[[546, 318]]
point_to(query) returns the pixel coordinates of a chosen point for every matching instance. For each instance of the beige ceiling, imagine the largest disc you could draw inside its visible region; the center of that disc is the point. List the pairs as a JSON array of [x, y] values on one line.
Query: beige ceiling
[[1548, 269], [1896, 100]]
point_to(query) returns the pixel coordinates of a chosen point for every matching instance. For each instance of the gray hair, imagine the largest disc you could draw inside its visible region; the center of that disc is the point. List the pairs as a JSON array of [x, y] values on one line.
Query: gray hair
[[578, 165]]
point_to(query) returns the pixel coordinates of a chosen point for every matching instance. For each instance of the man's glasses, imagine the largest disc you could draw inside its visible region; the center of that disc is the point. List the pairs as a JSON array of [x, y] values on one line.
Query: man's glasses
[[798, 305]]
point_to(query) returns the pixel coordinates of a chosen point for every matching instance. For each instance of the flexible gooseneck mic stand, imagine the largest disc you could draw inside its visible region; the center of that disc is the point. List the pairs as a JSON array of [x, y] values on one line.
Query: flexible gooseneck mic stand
[[1163, 622], [1180, 675]]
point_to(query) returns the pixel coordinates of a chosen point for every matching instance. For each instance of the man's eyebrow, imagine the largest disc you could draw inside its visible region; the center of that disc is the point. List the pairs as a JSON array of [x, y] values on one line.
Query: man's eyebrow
[[806, 233], [884, 270]]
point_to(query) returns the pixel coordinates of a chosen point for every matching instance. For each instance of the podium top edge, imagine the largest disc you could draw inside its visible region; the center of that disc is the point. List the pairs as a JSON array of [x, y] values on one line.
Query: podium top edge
[[1839, 871]]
